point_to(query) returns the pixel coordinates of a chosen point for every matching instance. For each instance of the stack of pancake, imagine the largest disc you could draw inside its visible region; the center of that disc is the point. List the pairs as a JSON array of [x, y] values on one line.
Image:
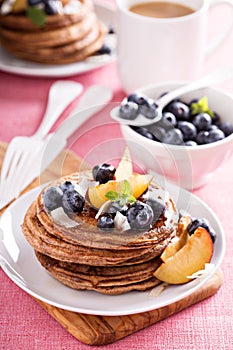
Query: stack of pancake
[[80, 255], [64, 38]]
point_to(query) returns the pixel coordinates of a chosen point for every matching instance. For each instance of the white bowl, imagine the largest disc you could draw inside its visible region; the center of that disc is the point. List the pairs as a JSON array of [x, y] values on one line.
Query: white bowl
[[187, 166]]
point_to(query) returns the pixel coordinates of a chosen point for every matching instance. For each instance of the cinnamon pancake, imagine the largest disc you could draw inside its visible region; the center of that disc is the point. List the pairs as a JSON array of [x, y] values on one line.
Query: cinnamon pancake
[[64, 38], [107, 280], [82, 256]]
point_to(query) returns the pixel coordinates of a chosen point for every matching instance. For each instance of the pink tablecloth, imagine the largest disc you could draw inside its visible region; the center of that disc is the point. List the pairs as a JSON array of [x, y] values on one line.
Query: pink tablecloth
[[25, 325]]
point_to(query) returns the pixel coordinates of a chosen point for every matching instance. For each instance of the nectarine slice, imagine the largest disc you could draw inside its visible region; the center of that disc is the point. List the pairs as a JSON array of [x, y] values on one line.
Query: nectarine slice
[[179, 241], [125, 167], [138, 183], [191, 258]]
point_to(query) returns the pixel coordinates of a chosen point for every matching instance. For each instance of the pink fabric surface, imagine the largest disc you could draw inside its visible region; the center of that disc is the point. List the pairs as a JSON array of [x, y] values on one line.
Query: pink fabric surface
[[24, 324]]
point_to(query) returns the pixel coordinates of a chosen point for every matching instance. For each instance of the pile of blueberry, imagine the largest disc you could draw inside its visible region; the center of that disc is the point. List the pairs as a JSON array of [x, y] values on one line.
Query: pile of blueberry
[[180, 123], [50, 7], [140, 215], [64, 196]]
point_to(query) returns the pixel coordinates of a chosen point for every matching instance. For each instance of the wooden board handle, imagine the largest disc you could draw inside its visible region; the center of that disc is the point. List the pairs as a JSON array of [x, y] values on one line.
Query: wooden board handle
[[101, 330]]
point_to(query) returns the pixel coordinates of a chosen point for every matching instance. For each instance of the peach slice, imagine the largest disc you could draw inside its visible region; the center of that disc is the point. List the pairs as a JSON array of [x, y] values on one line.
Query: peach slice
[[125, 167], [138, 182], [179, 241], [191, 258]]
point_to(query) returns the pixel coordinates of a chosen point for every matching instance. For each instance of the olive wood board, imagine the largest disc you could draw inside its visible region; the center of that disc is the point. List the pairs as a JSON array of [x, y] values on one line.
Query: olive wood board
[[102, 330]]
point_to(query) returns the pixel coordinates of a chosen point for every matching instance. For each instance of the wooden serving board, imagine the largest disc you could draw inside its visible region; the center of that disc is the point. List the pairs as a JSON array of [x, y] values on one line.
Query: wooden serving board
[[101, 330]]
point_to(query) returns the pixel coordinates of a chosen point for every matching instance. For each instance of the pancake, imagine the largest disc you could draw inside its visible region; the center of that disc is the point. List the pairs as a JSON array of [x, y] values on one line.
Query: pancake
[[106, 280], [64, 38], [80, 255]]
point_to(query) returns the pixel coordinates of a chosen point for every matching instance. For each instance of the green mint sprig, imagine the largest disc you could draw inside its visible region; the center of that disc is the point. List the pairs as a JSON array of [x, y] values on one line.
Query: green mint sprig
[[124, 197], [36, 15], [201, 106]]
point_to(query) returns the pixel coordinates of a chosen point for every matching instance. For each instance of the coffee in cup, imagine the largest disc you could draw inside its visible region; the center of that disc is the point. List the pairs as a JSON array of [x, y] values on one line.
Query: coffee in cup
[[161, 9], [164, 48]]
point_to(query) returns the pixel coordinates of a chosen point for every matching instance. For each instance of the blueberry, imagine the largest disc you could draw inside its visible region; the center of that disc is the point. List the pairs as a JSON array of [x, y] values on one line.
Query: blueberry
[[114, 207], [190, 143], [189, 130], [202, 121], [157, 131], [198, 222], [146, 106], [111, 30], [169, 119], [157, 207], [104, 50], [149, 109], [103, 172], [144, 132], [52, 198], [226, 127], [34, 2], [51, 6], [128, 110], [216, 119], [215, 135], [140, 215], [105, 222], [173, 137], [202, 137], [137, 98], [201, 222], [67, 186], [73, 202], [180, 110]]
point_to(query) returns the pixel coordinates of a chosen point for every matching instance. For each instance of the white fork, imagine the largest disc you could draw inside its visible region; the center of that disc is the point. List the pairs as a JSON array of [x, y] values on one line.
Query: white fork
[[61, 94]]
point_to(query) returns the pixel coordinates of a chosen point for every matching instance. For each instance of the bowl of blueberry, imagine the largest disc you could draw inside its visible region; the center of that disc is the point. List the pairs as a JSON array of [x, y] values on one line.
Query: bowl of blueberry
[[190, 142]]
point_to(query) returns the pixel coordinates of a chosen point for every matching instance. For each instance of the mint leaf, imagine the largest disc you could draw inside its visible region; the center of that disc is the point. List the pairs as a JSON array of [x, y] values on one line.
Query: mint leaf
[[36, 15], [112, 196], [126, 188], [123, 197], [201, 106]]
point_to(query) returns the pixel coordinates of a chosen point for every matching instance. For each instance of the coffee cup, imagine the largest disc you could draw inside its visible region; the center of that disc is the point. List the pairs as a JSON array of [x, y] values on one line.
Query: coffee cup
[[153, 48]]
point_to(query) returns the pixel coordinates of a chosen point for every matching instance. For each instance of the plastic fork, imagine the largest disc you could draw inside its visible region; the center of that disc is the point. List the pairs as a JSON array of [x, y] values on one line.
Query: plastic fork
[[61, 94]]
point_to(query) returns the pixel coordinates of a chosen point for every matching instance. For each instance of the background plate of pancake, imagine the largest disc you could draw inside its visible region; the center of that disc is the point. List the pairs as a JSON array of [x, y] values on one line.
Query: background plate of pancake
[[12, 64], [24, 268]]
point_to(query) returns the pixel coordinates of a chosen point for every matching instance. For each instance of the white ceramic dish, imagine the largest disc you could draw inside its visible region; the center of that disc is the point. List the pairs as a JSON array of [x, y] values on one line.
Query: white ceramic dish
[[188, 167], [24, 269], [11, 64]]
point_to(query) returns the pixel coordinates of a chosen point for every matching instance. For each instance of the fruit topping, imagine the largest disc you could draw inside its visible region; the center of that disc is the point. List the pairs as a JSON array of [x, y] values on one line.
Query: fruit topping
[[53, 198], [140, 216], [192, 257], [72, 202], [106, 222], [64, 196], [103, 173], [157, 208], [67, 186], [201, 222]]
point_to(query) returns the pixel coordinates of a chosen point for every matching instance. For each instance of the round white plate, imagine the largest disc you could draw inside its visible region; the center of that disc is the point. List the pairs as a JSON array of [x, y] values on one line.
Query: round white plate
[[11, 64], [20, 264]]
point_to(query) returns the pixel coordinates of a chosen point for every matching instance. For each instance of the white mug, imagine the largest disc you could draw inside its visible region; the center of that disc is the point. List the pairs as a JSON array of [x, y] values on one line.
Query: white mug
[[154, 50]]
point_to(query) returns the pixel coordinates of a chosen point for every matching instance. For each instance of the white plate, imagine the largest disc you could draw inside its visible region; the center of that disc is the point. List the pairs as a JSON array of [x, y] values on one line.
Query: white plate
[[11, 64], [24, 269]]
